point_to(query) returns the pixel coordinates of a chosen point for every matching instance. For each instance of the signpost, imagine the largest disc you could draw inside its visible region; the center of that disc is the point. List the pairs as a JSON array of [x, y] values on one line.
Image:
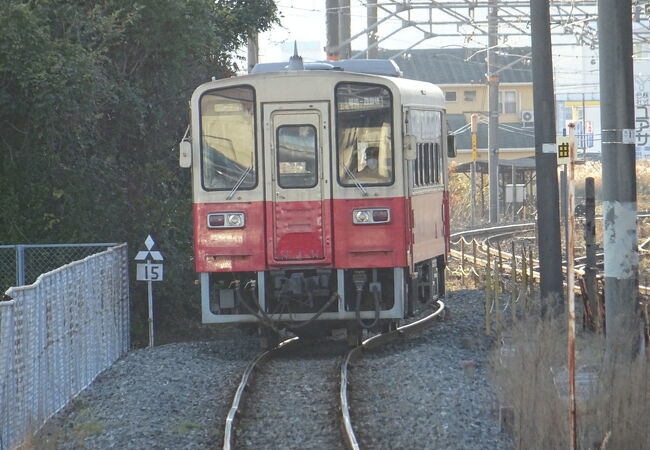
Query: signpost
[[149, 272]]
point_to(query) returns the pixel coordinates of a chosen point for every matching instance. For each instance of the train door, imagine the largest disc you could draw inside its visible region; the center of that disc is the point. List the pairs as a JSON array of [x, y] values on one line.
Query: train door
[[298, 211]]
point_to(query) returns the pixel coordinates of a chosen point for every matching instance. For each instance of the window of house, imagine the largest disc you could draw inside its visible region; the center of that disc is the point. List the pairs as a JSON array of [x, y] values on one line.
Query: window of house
[[507, 102], [450, 96], [470, 96]]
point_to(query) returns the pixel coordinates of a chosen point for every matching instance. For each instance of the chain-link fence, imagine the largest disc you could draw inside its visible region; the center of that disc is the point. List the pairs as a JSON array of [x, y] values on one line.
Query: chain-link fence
[[57, 335], [22, 264]]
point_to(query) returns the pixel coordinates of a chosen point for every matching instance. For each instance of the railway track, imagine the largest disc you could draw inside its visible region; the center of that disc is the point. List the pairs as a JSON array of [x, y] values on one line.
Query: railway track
[[279, 369], [484, 250]]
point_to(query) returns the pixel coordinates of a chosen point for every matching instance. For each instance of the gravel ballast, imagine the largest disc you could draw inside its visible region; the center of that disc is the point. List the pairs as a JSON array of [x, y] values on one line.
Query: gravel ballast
[[432, 390], [428, 391], [174, 396]]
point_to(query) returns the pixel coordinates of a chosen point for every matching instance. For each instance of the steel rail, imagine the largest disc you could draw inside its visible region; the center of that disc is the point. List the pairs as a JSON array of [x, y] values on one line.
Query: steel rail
[[234, 409], [372, 342], [511, 228], [491, 229]]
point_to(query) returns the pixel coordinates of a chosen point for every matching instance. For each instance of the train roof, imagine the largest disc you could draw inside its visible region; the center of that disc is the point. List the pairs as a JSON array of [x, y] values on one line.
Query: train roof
[[411, 92], [384, 67]]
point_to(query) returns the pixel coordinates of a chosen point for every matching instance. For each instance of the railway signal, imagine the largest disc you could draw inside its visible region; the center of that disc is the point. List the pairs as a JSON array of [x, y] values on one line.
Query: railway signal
[[149, 272]]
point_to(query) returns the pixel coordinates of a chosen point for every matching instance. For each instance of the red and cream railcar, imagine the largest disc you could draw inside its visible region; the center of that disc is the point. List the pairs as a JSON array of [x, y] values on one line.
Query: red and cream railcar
[[318, 195]]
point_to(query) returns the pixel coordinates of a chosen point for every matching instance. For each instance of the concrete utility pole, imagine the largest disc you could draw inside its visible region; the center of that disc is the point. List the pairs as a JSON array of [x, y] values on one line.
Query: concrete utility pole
[[493, 111], [371, 8], [332, 24], [474, 131], [253, 52], [548, 218], [591, 270], [619, 178], [344, 29]]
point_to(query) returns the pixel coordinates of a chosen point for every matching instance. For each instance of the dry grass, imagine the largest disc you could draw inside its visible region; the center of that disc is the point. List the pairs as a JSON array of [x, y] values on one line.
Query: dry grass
[[459, 192], [529, 371]]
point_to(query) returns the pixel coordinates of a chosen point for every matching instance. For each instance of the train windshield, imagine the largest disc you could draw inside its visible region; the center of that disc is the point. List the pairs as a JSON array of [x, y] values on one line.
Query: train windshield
[[228, 139], [364, 134]]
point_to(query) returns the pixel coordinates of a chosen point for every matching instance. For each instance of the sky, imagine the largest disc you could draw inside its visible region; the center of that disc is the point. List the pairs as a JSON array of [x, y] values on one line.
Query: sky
[[304, 21], [575, 67]]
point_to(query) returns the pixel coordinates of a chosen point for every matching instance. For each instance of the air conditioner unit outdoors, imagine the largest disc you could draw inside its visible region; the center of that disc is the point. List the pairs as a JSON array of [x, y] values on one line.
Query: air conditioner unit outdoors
[[527, 116]]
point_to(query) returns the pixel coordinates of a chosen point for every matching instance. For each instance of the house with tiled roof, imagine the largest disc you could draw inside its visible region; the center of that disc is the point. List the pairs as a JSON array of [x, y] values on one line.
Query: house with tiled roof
[[461, 74]]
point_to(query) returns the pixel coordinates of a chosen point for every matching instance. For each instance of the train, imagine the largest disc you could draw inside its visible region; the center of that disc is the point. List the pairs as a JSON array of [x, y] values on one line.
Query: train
[[319, 196]]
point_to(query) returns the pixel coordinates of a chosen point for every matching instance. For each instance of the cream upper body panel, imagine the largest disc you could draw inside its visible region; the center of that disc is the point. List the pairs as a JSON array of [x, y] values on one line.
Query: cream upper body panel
[[302, 87]]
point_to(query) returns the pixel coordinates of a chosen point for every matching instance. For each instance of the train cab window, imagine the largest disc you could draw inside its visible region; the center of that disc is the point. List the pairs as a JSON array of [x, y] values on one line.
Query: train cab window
[[228, 138], [364, 118], [296, 147], [428, 164]]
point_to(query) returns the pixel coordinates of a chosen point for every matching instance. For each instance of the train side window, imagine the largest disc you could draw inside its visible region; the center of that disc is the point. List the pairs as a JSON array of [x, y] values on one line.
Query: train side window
[[427, 163], [426, 125], [296, 155], [436, 163], [423, 165]]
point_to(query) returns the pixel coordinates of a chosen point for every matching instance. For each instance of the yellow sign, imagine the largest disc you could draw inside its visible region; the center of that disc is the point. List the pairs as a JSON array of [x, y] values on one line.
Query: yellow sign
[[474, 148], [564, 144]]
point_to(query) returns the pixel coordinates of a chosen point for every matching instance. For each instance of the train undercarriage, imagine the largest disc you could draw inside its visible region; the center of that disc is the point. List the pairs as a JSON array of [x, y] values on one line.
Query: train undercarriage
[[316, 301]]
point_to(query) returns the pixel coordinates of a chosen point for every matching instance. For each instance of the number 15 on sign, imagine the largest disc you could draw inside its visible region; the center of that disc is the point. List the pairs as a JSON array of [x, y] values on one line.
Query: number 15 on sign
[[149, 272]]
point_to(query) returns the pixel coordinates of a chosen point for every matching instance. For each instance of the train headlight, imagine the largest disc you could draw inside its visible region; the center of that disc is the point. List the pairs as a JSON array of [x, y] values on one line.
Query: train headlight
[[361, 216], [371, 216], [226, 220], [236, 220]]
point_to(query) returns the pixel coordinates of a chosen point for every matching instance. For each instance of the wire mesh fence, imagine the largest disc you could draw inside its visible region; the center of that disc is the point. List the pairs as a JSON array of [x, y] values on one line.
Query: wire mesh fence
[[21, 264], [57, 335]]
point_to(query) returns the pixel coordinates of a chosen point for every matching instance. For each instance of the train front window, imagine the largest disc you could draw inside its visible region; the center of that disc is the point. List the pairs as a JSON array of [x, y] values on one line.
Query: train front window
[[296, 147], [228, 139], [364, 134]]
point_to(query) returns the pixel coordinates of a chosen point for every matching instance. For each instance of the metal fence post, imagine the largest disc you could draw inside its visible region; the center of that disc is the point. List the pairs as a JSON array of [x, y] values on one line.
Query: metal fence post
[[20, 265], [497, 296], [462, 261]]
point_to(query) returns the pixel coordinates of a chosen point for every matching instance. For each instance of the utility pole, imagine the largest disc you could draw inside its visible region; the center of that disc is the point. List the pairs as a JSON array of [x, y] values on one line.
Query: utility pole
[[548, 218], [344, 29], [332, 24], [253, 51], [619, 178], [474, 131], [591, 269], [371, 12], [493, 111]]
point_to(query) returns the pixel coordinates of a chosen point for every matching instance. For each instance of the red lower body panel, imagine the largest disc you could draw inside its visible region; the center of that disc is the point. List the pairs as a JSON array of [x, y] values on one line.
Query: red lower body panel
[[369, 245], [321, 234], [229, 249], [299, 233]]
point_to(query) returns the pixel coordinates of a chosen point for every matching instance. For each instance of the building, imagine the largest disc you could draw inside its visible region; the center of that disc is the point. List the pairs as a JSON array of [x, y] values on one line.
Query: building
[[461, 73]]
